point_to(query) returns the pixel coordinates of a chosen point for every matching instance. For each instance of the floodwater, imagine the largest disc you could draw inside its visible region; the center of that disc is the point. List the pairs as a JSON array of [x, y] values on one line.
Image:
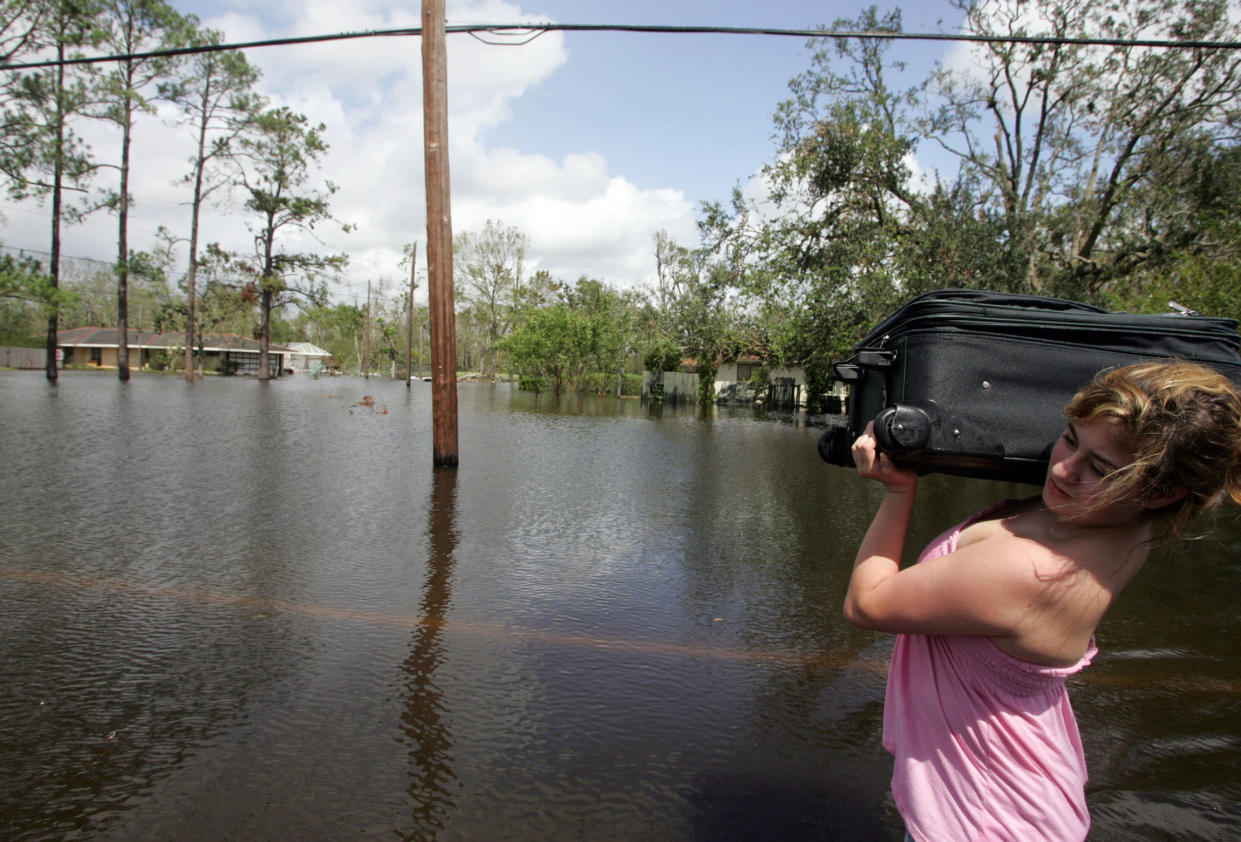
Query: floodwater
[[245, 611]]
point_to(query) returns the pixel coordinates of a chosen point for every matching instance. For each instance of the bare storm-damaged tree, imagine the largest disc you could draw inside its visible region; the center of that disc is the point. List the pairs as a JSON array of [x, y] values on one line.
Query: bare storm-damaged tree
[[131, 27], [214, 93], [1065, 139], [1072, 167], [491, 269]]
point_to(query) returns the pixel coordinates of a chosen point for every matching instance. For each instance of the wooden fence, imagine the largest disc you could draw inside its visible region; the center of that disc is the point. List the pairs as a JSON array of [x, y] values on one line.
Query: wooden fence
[[669, 386], [11, 357]]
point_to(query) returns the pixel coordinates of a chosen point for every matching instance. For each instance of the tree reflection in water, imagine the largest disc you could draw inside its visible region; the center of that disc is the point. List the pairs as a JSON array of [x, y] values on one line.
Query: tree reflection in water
[[432, 778]]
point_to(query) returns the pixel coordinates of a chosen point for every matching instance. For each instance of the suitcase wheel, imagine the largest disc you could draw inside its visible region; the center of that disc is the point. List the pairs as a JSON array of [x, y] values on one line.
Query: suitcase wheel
[[902, 429]]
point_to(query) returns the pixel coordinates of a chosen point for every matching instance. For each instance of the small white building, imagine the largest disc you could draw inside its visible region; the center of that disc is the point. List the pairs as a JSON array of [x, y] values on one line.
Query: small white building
[[307, 358]]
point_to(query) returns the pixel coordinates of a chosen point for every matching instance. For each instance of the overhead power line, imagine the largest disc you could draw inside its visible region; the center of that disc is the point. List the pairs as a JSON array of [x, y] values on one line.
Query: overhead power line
[[519, 34]]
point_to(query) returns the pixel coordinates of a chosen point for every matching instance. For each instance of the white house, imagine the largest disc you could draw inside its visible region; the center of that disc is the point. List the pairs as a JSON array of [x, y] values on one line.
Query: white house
[[785, 386]]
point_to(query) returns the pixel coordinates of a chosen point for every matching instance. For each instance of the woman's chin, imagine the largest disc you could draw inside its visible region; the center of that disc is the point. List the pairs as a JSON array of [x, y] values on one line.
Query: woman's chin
[[1054, 497]]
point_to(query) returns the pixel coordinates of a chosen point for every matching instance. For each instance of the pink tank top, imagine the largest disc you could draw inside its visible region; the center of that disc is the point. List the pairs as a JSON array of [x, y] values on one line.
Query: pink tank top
[[986, 745]]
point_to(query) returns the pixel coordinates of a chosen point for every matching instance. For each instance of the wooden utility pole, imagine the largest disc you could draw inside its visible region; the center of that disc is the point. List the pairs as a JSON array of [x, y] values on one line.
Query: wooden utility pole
[[439, 235], [366, 336], [409, 327]]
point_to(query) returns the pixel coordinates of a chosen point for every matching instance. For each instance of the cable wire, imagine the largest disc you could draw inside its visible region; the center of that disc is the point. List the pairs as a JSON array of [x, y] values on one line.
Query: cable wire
[[530, 31]]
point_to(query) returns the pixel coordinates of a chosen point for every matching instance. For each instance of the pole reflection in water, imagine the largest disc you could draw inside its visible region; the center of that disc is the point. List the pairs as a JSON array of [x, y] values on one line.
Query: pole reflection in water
[[432, 778]]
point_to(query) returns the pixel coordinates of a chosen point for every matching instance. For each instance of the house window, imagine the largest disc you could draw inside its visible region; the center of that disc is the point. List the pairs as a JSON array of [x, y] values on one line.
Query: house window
[[745, 371], [243, 362], [247, 362]]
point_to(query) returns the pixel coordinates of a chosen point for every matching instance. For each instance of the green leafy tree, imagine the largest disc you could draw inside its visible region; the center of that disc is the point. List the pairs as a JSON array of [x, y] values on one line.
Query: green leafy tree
[[414, 318], [385, 332], [551, 345], [226, 308], [956, 240], [816, 263], [24, 290], [662, 356], [43, 155], [610, 319], [21, 277], [27, 295], [335, 329], [694, 306], [277, 158], [708, 330]]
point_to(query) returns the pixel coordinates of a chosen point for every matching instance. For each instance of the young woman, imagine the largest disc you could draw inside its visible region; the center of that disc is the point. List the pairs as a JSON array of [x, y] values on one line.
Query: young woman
[[999, 610]]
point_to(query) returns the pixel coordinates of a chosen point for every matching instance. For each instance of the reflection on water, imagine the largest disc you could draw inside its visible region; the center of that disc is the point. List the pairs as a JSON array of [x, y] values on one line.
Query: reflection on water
[[432, 779], [246, 611]]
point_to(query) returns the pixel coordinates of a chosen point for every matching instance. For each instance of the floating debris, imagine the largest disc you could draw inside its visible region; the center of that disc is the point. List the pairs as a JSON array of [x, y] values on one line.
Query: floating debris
[[369, 402]]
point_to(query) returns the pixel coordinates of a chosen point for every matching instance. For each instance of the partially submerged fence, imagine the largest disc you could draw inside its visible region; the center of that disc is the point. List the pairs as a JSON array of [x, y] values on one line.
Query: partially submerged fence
[[784, 392], [669, 386], [12, 357]]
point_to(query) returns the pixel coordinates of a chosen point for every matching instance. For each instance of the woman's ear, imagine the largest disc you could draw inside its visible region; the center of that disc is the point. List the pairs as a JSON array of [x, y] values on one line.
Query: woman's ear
[[1164, 500]]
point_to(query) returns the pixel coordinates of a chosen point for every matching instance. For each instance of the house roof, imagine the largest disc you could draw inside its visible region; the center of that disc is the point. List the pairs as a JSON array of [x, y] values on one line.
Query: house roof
[[108, 337], [308, 349]]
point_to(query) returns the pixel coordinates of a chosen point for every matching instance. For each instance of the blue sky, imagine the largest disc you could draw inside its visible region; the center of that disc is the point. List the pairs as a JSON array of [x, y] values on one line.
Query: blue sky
[[693, 111], [588, 142]]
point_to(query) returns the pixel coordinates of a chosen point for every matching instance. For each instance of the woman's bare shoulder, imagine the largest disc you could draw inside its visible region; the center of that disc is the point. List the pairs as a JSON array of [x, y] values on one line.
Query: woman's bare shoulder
[[1020, 519], [1038, 548], [987, 585]]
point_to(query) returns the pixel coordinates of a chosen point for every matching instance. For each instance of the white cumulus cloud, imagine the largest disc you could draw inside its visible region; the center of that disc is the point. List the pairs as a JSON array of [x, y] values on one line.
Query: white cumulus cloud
[[582, 218]]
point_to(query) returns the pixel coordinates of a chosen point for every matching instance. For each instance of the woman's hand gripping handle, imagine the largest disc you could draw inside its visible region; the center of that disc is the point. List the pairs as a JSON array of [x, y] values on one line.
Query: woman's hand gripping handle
[[871, 464]]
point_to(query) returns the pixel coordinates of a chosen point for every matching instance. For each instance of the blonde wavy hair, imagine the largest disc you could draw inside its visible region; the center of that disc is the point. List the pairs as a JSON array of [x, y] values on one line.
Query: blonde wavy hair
[[1182, 422]]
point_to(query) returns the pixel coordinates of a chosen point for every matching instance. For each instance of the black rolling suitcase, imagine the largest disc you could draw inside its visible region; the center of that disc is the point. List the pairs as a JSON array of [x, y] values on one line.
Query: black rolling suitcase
[[974, 383]]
